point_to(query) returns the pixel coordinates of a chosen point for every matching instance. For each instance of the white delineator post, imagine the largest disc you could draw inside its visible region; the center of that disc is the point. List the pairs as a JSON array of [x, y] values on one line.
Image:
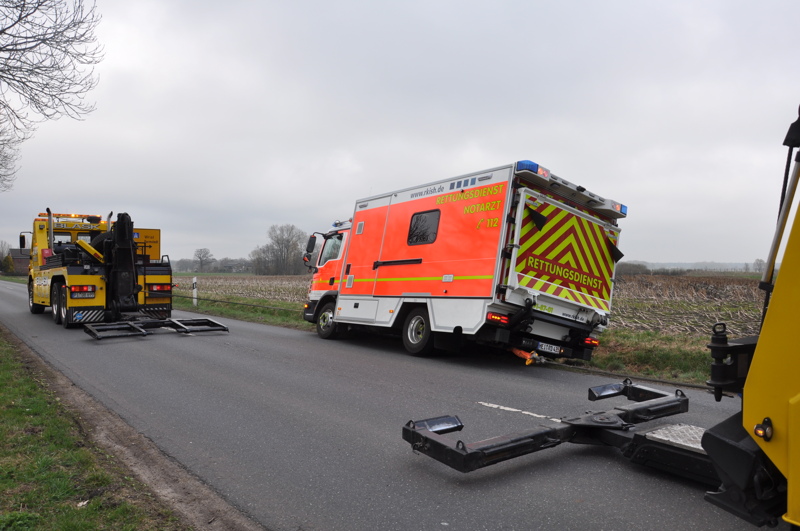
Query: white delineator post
[[194, 291]]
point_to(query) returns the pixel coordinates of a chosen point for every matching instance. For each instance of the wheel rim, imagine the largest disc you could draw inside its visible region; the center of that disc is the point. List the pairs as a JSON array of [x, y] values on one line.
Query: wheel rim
[[416, 330], [55, 304], [62, 303], [325, 320]]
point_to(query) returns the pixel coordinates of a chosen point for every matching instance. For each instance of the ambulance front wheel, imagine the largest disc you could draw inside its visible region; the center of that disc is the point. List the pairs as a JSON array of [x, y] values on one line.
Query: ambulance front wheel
[[417, 335], [326, 326]]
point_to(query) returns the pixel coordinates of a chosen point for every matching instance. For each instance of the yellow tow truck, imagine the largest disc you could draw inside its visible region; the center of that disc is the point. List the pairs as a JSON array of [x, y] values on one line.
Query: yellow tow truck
[[108, 276]]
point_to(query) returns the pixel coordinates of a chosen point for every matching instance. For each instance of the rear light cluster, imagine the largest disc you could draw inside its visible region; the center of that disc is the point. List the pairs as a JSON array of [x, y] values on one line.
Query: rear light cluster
[[160, 289], [82, 292], [591, 342], [497, 318]]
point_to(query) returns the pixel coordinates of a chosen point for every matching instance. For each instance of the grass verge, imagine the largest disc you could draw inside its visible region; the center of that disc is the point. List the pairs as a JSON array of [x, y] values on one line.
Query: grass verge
[[277, 313], [673, 357], [50, 475]]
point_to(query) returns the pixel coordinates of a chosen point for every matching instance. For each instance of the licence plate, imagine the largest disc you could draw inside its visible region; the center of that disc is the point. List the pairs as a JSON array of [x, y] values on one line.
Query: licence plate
[[551, 349]]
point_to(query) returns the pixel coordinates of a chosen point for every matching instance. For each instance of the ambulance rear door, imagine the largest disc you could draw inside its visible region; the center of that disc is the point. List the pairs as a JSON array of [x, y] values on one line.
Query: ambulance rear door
[[563, 258]]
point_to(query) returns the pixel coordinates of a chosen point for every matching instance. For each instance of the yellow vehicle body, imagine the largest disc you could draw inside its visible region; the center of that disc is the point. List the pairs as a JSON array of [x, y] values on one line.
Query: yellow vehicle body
[[62, 258], [772, 389]]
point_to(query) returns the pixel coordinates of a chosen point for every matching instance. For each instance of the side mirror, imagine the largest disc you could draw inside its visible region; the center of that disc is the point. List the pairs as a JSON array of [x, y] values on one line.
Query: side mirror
[[311, 245], [22, 241]]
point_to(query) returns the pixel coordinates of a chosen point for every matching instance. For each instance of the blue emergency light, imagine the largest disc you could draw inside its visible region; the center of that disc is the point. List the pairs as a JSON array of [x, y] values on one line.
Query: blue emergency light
[[527, 165]]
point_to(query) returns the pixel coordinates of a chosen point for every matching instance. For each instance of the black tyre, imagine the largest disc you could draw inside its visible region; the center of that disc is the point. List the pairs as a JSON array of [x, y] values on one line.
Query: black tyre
[[66, 316], [417, 335], [326, 326], [97, 241], [32, 306], [55, 301]]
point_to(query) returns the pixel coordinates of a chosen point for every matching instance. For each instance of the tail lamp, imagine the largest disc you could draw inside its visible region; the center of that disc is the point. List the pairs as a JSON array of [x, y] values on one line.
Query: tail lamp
[[497, 318], [160, 289], [591, 342], [82, 292]]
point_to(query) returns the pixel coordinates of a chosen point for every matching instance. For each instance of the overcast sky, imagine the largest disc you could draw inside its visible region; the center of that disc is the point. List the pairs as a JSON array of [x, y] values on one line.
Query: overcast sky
[[216, 120]]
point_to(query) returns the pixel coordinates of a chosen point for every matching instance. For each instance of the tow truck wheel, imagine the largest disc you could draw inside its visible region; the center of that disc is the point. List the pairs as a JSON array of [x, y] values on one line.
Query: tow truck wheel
[[326, 326], [32, 306], [66, 320], [55, 301], [417, 335]]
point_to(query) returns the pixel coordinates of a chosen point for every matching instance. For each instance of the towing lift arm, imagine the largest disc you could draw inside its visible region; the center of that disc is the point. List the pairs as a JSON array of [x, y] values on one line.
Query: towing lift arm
[[656, 447]]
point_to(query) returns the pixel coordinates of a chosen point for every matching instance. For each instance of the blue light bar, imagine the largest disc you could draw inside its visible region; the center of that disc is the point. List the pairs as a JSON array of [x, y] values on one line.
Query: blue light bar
[[527, 165]]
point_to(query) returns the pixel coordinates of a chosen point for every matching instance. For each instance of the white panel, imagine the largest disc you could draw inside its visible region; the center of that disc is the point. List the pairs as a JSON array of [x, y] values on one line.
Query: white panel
[[446, 314], [357, 310]]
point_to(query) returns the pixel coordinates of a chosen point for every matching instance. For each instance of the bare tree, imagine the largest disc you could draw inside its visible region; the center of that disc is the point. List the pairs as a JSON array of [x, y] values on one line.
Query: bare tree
[[282, 255], [9, 152], [47, 52], [203, 257], [259, 259], [184, 265], [5, 249]]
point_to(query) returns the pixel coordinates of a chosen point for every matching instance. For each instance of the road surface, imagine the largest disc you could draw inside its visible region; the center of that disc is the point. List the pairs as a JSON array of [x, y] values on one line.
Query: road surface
[[305, 434]]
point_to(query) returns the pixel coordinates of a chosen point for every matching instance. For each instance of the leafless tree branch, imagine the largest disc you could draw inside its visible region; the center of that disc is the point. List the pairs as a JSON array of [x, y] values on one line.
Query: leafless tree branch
[[47, 53]]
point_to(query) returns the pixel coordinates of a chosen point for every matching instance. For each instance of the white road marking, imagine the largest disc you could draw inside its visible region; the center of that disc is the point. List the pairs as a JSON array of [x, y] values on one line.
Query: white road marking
[[515, 410]]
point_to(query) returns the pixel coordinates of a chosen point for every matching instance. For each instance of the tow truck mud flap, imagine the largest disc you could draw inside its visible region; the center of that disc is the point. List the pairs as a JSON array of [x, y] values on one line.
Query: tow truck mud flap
[[144, 327], [675, 450]]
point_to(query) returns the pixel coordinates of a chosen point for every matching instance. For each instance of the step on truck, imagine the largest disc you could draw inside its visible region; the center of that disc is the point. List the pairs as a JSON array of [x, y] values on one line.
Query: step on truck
[[108, 276], [513, 257]]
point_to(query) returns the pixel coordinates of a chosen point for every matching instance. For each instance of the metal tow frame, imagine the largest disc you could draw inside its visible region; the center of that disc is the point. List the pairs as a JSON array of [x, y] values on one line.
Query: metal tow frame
[[615, 427], [143, 327]]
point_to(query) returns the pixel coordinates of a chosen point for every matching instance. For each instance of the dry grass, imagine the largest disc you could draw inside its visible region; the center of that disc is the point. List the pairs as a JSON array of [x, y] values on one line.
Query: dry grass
[[686, 304], [270, 288]]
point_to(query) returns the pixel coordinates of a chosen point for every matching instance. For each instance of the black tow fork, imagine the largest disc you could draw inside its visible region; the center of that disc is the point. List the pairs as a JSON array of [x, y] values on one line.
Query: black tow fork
[[614, 427]]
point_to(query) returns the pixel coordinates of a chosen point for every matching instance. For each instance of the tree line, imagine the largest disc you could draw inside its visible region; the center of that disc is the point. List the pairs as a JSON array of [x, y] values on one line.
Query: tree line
[[637, 268], [281, 255]]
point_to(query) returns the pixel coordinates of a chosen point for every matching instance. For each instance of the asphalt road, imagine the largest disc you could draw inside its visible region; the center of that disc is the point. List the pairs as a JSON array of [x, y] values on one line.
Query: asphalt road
[[305, 434]]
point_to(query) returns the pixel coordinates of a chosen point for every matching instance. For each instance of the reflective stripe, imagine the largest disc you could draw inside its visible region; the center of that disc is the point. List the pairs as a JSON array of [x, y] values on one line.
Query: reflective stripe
[[87, 316]]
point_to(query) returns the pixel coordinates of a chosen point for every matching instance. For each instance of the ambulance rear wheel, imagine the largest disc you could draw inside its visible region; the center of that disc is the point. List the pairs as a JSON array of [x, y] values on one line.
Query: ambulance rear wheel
[[55, 302], [417, 335], [32, 306], [326, 326]]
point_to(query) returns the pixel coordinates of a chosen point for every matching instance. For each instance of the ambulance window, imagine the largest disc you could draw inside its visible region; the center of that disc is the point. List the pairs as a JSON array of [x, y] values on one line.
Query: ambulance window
[[424, 226], [331, 249]]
